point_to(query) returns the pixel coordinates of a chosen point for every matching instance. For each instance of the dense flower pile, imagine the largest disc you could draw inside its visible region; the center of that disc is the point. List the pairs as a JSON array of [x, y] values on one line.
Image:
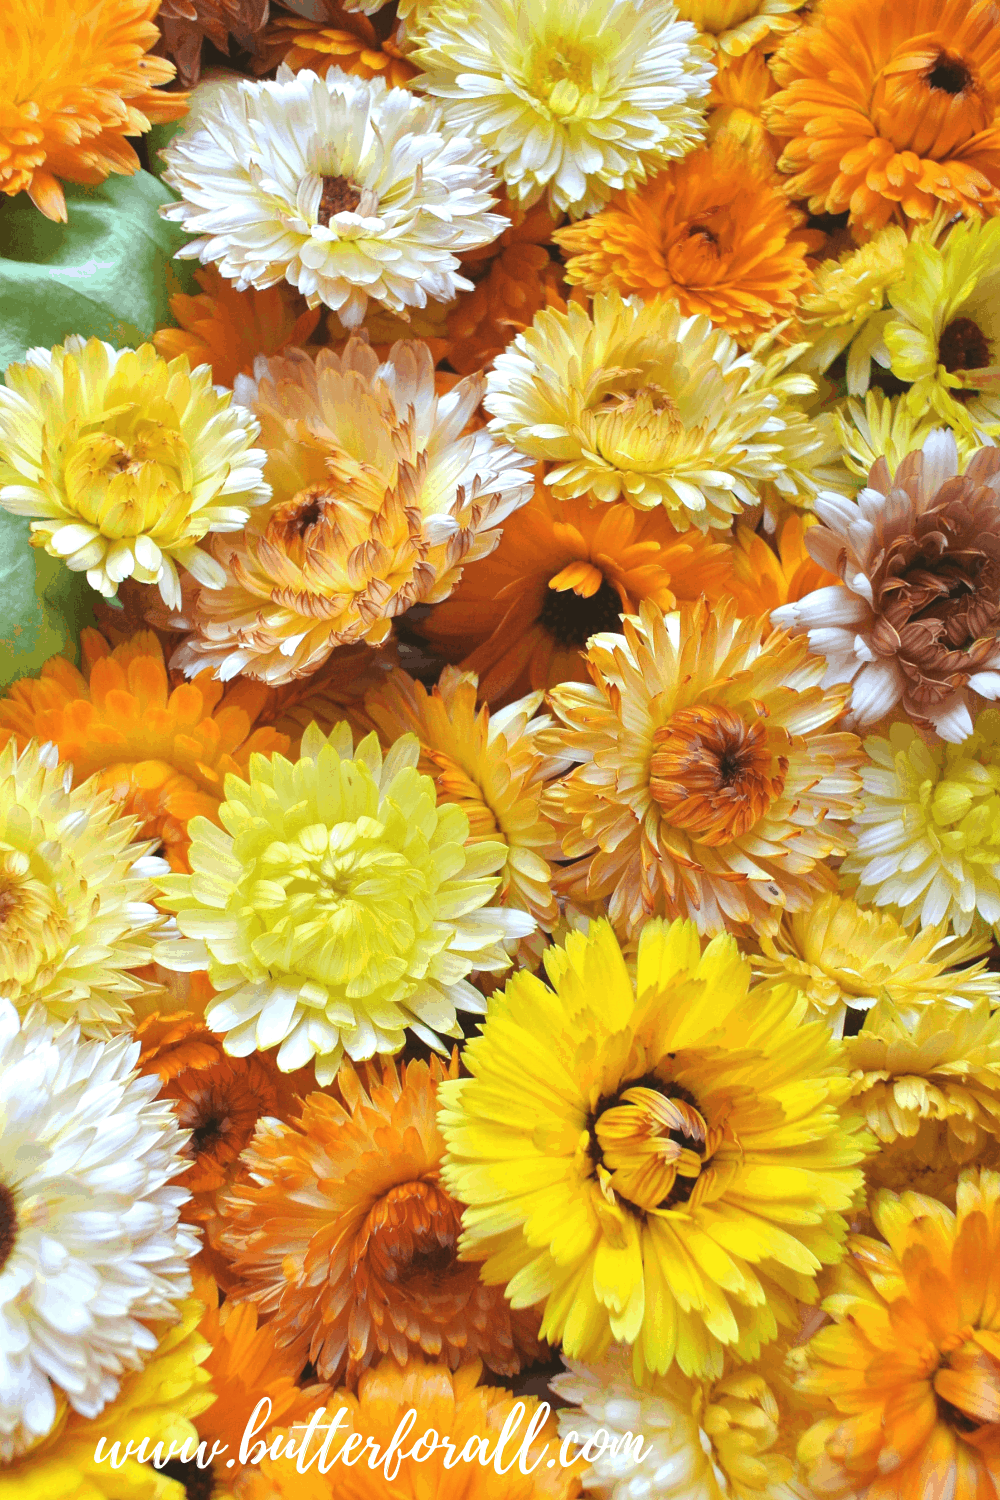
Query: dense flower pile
[[500, 895]]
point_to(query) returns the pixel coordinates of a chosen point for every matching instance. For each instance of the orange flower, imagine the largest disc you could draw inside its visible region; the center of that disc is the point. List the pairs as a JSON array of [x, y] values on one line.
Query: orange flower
[[565, 570], [910, 1368], [75, 81], [342, 1231], [176, 1041], [227, 329], [736, 104], [519, 283], [763, 578], [714, 232], [164, 753], [888, 109], [353, 46]]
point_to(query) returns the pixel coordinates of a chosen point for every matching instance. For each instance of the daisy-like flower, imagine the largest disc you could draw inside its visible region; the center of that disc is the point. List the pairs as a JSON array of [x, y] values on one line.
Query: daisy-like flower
[[711, 781], [885, 427], [636, 401], [730, 1438], [340, 906], [565, 570], [228, 329], [341, 1232], [161, 753], [124, 462], [90, 1244], [76, 82], [75, 895], [915, 620], [491, 766], [176, 1041], [907, 1373], [571, 98], [740, 89], [944, 334], [186, 24], [734, 27], [928, 1088], [713, 232], [157, 1402], [470, 1416], [519, 282], [887, 109], [843, 957], [846, 307], [928, 826], [380, 498], [301, 43], [765, 576], [342, 188], [628, 1150]]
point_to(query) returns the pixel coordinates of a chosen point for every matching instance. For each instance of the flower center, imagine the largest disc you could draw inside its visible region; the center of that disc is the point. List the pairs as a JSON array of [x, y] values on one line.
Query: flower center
[[963, 346], [967, 1385], [714, 775], [654, 1142], [34, 927], [302, 525], [560, 76], [198, 1483], [949, 74], [8, 1224], [410, 1234], [572, 618], [124, 478], [339, 196]]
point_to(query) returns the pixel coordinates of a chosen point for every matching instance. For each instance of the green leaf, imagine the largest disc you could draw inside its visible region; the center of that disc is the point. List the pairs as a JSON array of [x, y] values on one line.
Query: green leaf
[[44, 606]]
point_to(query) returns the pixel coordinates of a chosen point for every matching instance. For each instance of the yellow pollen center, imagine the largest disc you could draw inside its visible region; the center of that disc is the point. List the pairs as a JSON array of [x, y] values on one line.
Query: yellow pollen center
[[654, 1145], [561, 76]]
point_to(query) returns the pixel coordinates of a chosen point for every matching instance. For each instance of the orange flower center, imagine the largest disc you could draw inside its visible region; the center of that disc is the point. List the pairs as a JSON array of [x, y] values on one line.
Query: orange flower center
[[220, 1106], [300, 526], [963, 346], [8, 1224], [694, 256], [411, 1234], [967, 1384], [339, 196], [929, 101], [714, 775], [653, 1141]]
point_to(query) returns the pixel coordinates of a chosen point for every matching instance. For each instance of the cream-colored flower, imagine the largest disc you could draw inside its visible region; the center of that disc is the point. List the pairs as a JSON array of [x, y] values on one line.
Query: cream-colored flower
[[125, 462], [380, 498], [569, 97], [340, 906], [344, 189], [635, 401]]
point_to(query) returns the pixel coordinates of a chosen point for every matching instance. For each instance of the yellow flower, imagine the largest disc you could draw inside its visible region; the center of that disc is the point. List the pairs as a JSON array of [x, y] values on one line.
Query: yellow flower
[[739, 90], [907, 1374], [734, 26], [885, 427], [340, 906], [75, 912], [710, 777], [125, 462], [846, 309], [156, 1403], [844, 957], [660, 1163], [76, 80], [944, 335], [637, 401], [492, 767]]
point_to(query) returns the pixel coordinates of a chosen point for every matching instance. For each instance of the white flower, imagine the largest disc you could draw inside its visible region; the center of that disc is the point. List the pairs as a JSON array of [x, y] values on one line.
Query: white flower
[[575, 97], [90, 1244], [700, 1440], [340, 187]]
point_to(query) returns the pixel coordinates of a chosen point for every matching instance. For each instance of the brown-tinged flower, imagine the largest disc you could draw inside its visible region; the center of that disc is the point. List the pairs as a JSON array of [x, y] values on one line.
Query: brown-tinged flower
[[340, 38], [711, 780], [565, 570], [343, 1234], [162, 752], [887, 110], [186, 24], [493, 767], [228, 329], [714, 232], [915, 619], [380, 498]]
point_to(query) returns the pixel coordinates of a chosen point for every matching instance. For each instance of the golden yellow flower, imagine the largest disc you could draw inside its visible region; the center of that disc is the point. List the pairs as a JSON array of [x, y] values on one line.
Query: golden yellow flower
[[340, 906], [76, 81], [380, 498], [735, 26], [125, 462], [907, 1376], [847, 309], [764, 576], [886, 427], [492, 767], [711, 780], [162, 753], [714, 232], [660, 1162], [843, 957], [740, 88]]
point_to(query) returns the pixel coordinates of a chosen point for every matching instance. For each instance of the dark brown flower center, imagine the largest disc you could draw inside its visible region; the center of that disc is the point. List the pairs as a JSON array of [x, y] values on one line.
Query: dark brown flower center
[[207, 1135], [949, 74], [572, 618], [963, 346], [8, 1224], [340, 195], [198, 1483], [954, 1417]]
